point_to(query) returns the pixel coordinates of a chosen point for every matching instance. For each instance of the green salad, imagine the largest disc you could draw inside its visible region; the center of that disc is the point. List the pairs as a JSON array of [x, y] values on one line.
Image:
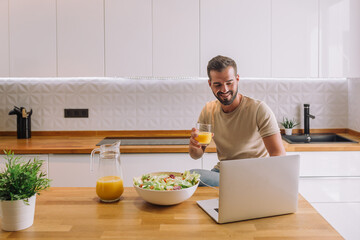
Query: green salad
[[167, 182]]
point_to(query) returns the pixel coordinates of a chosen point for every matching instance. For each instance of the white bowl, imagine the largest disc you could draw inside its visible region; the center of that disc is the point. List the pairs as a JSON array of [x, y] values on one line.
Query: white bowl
[[163, 197]]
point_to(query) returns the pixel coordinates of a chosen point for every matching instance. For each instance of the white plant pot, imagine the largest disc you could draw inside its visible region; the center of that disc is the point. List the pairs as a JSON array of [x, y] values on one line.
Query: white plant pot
[[16, 215], [288, 131]]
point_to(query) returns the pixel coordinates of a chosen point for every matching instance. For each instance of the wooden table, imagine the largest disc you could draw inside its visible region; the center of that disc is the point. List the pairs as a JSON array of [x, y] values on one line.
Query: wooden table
[[76, 213]]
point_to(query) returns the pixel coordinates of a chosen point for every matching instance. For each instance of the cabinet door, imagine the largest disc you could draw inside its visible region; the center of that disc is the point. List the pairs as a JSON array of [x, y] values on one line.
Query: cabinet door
[[294, 38], [71, 170], [134, 165], [27, 157], [4, 38], [176, 38], [80, 38], [32, 29], [240, 29], [209, 160], [329, 164], [339, 38], [128, 38]]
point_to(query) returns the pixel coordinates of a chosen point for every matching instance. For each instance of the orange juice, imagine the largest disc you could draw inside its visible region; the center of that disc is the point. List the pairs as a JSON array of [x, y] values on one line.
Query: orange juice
[[109, 188], [204, 137]]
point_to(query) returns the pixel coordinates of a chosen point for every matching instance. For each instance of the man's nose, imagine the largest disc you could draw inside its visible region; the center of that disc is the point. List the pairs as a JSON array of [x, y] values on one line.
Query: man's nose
[[224, 89]]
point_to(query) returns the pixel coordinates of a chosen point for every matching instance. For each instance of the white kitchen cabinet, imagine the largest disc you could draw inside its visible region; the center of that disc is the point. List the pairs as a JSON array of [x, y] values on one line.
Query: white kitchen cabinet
[[240, 29], [329, 164], [339, 38], [176, 38], [80, 38], [128, 38], [73, 170], [27, 157], [294, 38], [4, 38], [32, 34], [209, 161], [135, 165]]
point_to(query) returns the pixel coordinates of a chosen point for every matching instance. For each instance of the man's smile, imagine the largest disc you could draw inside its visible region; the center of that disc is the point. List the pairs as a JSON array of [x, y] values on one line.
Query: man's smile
[[225, 95]]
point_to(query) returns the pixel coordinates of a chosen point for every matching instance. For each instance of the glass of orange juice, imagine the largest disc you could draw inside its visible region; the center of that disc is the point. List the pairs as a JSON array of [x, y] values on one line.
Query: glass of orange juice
[[204, 134]]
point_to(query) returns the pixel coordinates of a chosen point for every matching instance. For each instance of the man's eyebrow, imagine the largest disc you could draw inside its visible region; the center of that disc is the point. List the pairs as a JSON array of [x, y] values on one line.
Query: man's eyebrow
[[230, 80]]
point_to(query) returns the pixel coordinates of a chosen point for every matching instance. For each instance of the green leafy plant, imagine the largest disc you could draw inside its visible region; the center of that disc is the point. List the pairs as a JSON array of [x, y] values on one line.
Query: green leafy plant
[[20, 180], [289, 123]]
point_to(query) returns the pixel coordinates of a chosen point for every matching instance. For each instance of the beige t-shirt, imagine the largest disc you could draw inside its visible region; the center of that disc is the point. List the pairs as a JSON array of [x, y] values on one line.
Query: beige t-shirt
[[239, 134]]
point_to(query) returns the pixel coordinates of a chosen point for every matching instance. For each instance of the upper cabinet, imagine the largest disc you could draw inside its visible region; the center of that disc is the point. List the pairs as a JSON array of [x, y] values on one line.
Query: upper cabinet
[[80, 38], [339, 38], [4, 38], [32, 36], [240, 29], [128, 38], [176, 38], [294, 38]]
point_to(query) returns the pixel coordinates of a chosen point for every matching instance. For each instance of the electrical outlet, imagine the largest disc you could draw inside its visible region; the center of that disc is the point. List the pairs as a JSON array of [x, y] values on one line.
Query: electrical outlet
[[76, 113]]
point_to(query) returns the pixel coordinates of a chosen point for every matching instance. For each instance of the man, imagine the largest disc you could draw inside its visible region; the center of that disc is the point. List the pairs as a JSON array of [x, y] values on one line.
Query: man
[[243, 127]]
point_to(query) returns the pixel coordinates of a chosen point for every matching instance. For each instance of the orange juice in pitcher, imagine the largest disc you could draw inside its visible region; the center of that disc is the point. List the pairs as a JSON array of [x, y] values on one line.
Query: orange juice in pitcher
[[109, 184], [109, 188]]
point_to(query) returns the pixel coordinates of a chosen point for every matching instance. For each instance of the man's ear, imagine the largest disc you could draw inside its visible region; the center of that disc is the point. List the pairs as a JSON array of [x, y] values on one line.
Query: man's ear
[[209, 81], [237, 77]]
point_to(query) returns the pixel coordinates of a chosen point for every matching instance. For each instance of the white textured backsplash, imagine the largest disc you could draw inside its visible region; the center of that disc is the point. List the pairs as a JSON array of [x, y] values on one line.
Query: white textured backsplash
[[354, 108], [163, 104]]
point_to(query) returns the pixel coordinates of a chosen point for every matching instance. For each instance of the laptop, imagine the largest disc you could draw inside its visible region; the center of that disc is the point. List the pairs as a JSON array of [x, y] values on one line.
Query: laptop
[[255, 188]]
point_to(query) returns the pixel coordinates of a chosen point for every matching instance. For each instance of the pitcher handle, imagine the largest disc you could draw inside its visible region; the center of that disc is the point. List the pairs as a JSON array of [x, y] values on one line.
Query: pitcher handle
[[92, 159]]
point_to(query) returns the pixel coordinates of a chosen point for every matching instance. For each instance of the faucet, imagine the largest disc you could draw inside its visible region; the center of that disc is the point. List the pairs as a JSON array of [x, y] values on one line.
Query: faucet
[[307, 117]]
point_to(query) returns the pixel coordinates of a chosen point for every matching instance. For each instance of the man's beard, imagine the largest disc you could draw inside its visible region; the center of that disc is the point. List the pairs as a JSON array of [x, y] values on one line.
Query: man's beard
[[225, 101]]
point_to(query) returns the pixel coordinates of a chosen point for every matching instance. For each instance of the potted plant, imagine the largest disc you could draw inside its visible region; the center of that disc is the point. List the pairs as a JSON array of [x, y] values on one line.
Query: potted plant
[[20, 182], [289, 124]]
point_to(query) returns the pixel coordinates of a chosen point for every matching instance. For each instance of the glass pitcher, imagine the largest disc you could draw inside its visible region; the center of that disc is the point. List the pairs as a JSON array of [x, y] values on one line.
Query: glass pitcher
[[109, 184]]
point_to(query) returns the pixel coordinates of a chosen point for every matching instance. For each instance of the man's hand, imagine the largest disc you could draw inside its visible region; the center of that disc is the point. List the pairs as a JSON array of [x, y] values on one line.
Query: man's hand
[[195, 149]]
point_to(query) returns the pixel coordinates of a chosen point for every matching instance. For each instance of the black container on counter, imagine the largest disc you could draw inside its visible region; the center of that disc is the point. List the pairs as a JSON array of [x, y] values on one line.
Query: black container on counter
[[23, 122]]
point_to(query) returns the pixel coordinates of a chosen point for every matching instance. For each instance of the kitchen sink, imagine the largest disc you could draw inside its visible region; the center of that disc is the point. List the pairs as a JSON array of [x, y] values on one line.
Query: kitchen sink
[[316, 138]]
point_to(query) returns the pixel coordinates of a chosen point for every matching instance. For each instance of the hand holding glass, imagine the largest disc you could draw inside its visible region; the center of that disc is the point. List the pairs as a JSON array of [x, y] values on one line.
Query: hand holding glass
[[204, 134]]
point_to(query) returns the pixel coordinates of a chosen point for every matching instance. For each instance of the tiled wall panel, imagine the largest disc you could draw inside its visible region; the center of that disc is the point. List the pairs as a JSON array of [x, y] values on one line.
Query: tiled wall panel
[[165, 104], [354, 100]]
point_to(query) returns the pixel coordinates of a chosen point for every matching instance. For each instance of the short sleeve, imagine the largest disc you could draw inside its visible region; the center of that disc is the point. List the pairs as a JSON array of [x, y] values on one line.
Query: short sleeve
[[206, 115], [266, 121], [201, 118]]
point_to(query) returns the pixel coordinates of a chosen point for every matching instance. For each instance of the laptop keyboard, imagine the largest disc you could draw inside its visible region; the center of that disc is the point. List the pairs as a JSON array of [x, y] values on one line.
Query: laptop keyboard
[[216, 209]]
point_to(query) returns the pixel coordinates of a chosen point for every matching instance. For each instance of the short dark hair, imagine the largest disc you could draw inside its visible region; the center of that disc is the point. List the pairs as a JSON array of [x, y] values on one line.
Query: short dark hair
[[219, 63]]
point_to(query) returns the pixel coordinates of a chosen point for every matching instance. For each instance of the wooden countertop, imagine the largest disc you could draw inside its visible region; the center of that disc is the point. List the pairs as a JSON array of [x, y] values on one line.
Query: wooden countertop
[[76, 213], [63, 144], [73, 142]]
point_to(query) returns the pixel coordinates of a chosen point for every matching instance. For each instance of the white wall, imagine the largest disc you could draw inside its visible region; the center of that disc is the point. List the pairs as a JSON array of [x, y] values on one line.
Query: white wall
[[4, 38], [154, 104]]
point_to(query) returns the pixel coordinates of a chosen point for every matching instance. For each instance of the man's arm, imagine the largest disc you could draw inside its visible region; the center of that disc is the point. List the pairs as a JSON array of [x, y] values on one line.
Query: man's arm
[[274, 145]]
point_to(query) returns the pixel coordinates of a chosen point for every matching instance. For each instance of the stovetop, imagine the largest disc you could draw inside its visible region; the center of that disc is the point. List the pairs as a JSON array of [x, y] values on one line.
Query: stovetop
[[145, 141]]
